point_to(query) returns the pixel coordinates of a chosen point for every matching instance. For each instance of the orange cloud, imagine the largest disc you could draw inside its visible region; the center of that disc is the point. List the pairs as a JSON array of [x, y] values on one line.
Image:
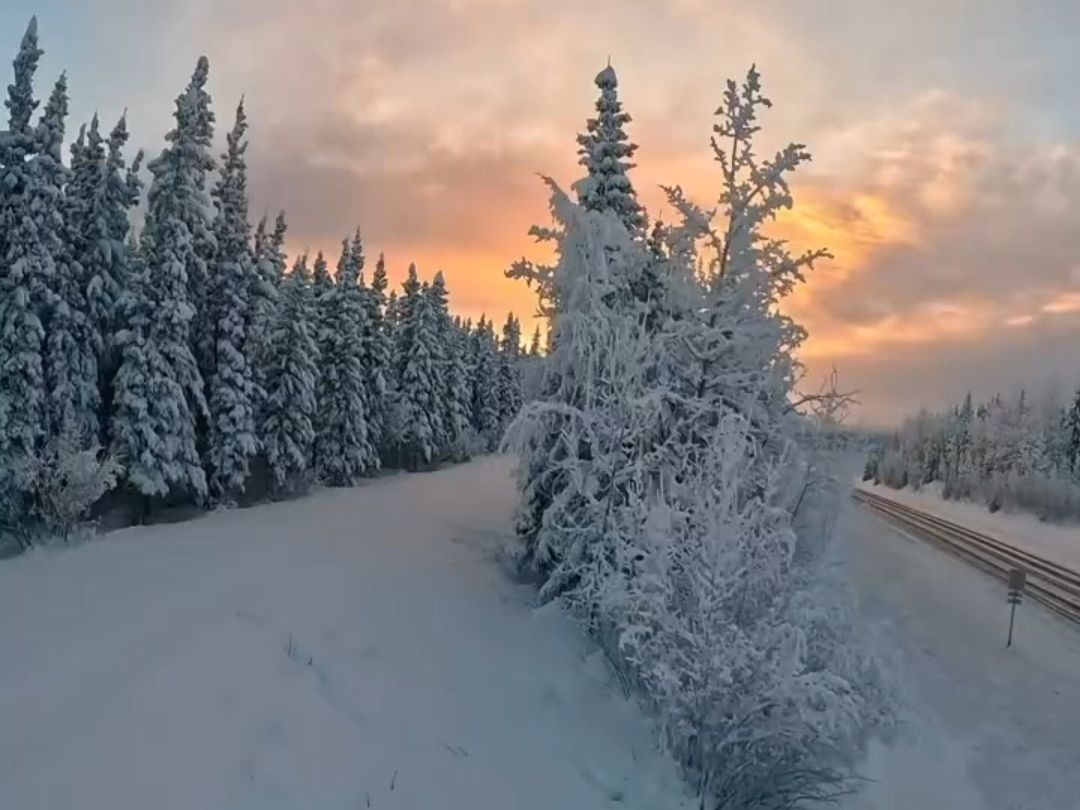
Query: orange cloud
[[1020, 320], [1062, 304], [854, 225], [930, 324]]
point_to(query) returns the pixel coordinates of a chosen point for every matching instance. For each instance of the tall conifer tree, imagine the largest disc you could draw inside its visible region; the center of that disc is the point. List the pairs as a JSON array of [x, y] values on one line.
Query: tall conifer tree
[[288, 428], [344, 449], [232, 389], [175, 238], [25, 278]]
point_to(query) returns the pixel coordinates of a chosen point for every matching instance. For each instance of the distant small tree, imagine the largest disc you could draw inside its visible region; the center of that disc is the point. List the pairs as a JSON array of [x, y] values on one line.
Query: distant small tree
[[486, 412], [1072, 436], [508, 373]]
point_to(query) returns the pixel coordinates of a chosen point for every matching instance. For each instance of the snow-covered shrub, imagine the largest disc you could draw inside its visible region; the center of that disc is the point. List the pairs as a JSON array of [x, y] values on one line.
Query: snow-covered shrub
[[670, 535], [762, 689], [892, 470], [70, 475], [1048, 497]]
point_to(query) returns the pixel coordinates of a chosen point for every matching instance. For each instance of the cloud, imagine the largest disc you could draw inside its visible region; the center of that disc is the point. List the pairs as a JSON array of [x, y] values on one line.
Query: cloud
[[966, 233], [1062, 304], [946, 171], [894, 384]]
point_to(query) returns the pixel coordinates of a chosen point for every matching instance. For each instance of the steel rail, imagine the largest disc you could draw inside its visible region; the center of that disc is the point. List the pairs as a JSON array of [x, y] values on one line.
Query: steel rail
[[1049, 583]]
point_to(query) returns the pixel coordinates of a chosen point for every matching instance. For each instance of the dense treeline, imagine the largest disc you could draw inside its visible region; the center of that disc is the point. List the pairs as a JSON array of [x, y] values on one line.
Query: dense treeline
[[189, 363], [672, 485], [1009, 453]]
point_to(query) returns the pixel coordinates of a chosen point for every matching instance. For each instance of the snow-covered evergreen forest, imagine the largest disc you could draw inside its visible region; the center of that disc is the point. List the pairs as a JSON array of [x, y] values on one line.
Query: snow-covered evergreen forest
[[191, 362], [1019, 452], [675, 492]]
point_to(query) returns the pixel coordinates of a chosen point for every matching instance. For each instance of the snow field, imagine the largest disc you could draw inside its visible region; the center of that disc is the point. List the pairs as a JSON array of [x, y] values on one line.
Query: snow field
[[357, 648]]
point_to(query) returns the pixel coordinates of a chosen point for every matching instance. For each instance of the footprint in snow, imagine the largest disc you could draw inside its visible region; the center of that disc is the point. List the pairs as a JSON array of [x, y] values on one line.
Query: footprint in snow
[[456, 750]]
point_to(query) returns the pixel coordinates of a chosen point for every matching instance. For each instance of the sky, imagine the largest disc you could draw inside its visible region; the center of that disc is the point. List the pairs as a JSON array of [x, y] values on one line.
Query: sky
[[945, 135]]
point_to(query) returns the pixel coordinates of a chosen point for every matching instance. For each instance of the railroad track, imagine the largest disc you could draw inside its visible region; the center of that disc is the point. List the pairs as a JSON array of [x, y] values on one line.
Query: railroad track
[[1048, 583]]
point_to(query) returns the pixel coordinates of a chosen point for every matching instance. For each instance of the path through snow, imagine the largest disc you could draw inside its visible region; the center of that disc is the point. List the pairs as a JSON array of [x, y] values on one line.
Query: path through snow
[[357, 648]]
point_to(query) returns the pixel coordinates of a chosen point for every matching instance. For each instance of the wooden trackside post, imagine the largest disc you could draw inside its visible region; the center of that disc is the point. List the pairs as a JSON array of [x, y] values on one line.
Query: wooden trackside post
[[1017, 581]]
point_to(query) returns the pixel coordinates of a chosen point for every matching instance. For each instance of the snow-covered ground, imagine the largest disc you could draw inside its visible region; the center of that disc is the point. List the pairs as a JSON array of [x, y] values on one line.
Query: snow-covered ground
[[1060, 543], [357, 648], [364, 648], [987, 728]]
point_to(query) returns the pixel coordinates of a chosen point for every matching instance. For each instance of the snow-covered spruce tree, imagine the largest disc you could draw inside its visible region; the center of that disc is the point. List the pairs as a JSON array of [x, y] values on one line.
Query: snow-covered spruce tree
[[25, 283], [343, 447], [453, 418], [458, 393], [957, 451], [393, 315], [378, 354], [485, 410], [397, 307], [508, 373], [534, 343], [568, 443], [417, 402], [406, 303], [71, 353], [72, 287], [232, 387], [292, 372], [265, 282], [192, 155], [319, 292], [101, 192], [1071, 431], [269, 249], [605, 151], [152, 426], [176, 242], [532, 368]]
